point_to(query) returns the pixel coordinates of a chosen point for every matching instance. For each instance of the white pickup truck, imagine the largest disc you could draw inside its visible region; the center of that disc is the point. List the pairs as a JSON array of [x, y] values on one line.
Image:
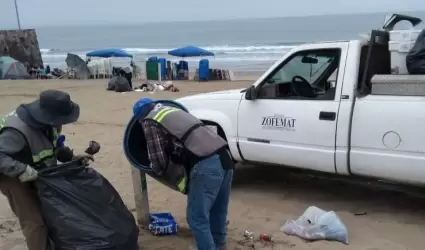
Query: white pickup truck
[[332, 107]]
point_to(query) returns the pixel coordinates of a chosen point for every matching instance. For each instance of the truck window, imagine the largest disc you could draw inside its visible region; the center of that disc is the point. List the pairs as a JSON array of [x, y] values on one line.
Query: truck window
[[305, 75], [379, 63]]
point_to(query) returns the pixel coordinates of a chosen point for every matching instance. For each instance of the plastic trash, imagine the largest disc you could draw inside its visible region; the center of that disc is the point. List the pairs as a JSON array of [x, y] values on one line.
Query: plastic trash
[[161, 224], [316, 224]]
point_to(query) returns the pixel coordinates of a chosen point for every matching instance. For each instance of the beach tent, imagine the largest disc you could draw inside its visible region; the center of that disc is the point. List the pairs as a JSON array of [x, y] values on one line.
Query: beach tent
[[109, 53], [12, 69], [190, 51]]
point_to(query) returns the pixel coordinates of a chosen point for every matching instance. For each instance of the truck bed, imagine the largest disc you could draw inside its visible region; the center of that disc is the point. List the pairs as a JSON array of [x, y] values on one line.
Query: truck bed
[[398, 85]]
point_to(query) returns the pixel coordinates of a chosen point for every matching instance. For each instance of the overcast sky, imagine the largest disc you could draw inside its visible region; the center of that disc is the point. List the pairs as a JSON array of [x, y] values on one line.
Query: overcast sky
[[36, 13]]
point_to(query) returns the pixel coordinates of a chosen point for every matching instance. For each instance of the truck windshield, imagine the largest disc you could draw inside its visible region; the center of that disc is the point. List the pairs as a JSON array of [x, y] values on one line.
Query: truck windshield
[[309, 71]]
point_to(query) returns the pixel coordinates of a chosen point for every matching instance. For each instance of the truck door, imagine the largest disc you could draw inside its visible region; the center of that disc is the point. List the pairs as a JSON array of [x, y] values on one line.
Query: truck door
[[293, 118]]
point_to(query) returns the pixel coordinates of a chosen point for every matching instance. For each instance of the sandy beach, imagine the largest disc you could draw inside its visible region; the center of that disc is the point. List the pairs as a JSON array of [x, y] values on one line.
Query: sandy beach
[[263, 197]]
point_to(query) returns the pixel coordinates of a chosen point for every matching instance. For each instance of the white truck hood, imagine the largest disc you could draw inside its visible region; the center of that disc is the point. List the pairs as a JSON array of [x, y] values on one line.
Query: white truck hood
[[234, 94]]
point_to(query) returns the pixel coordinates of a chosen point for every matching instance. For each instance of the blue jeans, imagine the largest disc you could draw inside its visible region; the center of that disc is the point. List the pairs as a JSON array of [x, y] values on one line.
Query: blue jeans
[[207, 203]]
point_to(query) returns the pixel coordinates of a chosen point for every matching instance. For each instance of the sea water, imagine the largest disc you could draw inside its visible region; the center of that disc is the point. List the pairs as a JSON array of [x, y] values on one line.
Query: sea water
[[239, 45]]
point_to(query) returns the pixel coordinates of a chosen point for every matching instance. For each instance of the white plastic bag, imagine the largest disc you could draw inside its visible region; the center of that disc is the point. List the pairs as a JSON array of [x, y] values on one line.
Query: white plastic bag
[[316, 224]]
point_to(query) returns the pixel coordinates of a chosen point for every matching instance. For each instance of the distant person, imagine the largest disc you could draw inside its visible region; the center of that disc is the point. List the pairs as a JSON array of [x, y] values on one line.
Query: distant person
[[132, 68], [127, 74], [28, 67], [31, 71], [48, 71], [37, 72], [116, 71]]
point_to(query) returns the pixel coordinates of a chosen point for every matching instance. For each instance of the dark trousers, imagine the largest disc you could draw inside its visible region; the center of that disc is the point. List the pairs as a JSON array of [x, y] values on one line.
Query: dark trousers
[[23, 201]]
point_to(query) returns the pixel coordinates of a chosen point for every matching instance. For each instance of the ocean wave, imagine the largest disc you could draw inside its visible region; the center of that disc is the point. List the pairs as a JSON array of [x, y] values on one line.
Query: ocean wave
[[218, 50], [146, 50], [233, 59], [59, 56], [46, 51]]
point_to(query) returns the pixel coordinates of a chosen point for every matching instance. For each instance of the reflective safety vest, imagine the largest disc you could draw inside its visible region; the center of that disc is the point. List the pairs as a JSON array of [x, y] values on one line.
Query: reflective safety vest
[[42, 149], [197, 139]]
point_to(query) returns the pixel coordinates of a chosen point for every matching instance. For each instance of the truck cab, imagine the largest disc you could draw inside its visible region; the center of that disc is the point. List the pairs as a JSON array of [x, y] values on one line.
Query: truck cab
[[307, 81], [316, 109]]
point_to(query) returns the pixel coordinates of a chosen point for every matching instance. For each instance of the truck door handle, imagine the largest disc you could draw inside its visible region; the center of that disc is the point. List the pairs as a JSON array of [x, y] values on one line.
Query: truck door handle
[[329, 116]]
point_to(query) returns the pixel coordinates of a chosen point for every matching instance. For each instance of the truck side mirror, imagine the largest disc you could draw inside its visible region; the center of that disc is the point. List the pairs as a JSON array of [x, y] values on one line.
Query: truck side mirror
[[251, 93]]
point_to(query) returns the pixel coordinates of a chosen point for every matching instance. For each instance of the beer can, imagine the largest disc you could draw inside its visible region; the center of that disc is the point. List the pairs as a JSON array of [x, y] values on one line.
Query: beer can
[[266, 237], [249, 235]]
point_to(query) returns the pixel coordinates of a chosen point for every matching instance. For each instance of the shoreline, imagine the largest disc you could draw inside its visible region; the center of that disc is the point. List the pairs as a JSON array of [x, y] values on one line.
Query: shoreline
[[236, 58], [250, 76], [242, 66]]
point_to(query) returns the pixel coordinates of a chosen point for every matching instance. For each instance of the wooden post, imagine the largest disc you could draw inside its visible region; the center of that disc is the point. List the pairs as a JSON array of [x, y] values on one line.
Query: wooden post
[[141, 198]]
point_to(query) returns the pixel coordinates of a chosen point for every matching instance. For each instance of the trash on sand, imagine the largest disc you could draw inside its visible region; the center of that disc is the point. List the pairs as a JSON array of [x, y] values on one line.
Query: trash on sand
[[266, 237], [161, 224], [248, 235], [360, 213], [316, 224]]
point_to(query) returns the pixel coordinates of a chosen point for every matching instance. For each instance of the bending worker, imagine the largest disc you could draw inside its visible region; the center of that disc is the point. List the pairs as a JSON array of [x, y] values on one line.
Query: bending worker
[[175, 137], [28, 138]]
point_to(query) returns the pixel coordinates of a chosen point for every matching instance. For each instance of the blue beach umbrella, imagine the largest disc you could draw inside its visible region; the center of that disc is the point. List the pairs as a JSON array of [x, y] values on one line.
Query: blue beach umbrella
[[190, 51], [109, 53]]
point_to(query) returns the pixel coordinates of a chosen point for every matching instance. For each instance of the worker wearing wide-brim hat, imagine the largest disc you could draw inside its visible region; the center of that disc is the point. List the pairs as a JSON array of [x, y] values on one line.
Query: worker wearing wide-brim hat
[[29, 139], [175, 138]]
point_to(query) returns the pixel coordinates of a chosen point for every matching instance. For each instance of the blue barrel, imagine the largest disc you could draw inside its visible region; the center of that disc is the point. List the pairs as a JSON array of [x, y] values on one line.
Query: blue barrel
[[135, 148], [134, 143], [204, 69]]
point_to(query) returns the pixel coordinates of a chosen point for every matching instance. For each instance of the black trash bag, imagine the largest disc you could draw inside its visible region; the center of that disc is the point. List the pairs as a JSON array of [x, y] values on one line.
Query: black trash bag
[[122, 84], [415, 59], [82, 210], [111, 83]]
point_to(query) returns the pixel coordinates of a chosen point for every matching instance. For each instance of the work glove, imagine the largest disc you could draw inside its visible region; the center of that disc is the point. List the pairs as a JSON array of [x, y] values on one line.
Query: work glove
[[30, 174]]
